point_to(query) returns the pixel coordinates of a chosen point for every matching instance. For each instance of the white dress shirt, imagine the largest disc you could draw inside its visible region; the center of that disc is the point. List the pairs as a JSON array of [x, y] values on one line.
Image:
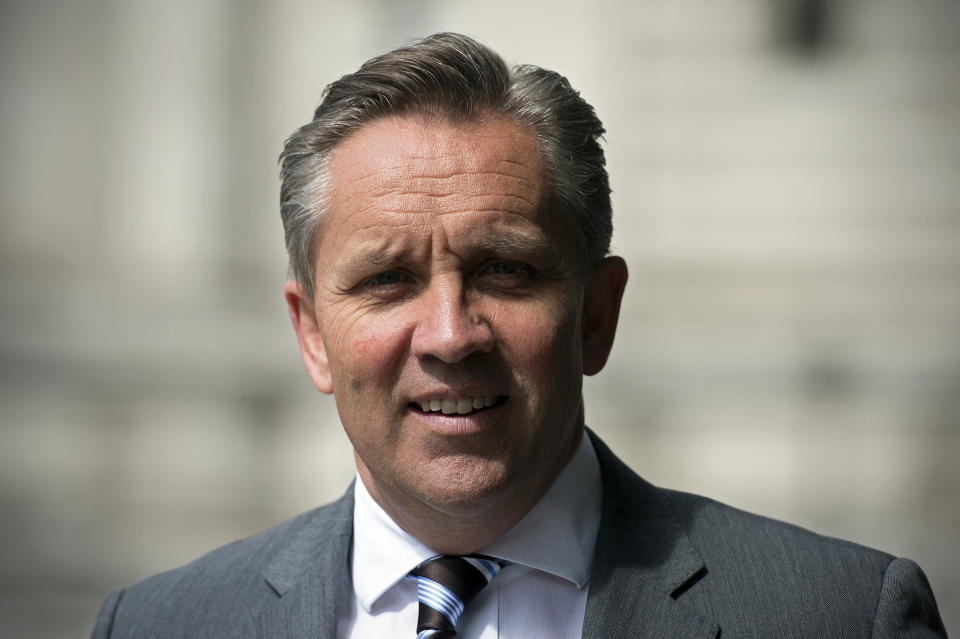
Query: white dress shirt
[[542, 594]]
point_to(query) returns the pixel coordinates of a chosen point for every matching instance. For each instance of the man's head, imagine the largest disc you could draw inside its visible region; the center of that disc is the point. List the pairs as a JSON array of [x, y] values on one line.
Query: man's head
[[458, 80], [453, 305]]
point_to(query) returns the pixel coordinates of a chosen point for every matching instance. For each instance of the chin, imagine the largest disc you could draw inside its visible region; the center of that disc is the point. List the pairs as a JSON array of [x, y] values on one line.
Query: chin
[[465, 491]]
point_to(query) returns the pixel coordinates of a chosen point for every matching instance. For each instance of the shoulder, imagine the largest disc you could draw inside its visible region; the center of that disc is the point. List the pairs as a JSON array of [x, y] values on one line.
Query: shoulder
[[722, 530], [725, 536], [732, 539], [817, 584], [217, 592], [757, 576]]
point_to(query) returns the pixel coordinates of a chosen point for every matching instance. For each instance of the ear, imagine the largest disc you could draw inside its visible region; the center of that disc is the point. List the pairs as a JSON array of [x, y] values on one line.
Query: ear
[[303, 314], [601, 310]]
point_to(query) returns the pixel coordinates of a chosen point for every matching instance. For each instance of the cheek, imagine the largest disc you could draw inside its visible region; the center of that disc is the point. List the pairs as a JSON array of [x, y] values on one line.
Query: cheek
[[371, 356], [370, 347], [545, 343]]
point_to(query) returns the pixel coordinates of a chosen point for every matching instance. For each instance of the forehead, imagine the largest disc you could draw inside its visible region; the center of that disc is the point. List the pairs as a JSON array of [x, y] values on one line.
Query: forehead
[[416, 190], [420, 141], [415, 165]]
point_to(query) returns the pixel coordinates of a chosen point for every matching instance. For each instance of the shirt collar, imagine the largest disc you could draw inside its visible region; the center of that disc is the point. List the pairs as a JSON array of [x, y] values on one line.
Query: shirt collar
[[557, 536]]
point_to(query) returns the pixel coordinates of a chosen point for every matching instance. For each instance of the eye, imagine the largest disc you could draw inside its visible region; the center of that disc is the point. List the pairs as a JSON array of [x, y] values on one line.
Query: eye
[[504, 268], [507, 274], [387, 278], [387, 285]]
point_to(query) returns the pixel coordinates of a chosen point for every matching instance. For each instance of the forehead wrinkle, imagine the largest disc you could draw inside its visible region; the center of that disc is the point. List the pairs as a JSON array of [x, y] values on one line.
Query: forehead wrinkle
[[518, 190], [524, 179], [436, 157], [460, 192], [458, 167], [417, 203], [458, 156]]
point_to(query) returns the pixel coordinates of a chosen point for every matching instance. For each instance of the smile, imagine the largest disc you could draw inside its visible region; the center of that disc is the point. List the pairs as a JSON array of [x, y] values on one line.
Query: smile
[[456, 406]]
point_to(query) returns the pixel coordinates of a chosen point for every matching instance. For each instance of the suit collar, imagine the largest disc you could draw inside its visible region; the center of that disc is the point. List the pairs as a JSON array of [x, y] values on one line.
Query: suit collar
[[310, 575], [643, 563]]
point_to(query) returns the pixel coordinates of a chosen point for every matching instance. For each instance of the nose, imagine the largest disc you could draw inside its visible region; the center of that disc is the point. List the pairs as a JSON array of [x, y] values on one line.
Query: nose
[[447, 329]]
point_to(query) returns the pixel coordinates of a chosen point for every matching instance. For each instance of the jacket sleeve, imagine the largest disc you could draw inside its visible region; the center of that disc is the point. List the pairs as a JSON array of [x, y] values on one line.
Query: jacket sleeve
[[907, 609], [104, 626]]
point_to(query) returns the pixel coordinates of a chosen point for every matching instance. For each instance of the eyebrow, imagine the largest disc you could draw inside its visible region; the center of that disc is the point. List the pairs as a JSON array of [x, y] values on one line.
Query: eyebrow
[[510, 242], [384, 253], [376, 256]]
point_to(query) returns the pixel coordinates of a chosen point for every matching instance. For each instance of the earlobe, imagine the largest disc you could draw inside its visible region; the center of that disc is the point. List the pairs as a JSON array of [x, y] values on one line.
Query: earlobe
[[304, 317], [601, 311]]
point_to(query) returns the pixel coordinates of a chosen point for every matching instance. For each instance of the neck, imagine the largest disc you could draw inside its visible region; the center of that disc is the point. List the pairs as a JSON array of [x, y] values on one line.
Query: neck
[[463, 531]]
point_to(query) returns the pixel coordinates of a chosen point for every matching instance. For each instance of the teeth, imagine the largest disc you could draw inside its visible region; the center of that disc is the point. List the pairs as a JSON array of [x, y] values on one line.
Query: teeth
[[460, 405]]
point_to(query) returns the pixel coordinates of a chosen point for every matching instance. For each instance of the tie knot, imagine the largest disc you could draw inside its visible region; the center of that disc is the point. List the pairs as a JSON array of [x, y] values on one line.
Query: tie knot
[[445, 585]]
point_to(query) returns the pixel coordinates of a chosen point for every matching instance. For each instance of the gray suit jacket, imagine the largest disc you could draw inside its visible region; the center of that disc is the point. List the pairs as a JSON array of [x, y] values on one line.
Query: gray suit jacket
[[667, 565]]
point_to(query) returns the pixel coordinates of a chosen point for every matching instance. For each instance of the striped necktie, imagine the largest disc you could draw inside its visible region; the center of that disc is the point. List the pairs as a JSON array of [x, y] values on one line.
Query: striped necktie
[[445, 585]]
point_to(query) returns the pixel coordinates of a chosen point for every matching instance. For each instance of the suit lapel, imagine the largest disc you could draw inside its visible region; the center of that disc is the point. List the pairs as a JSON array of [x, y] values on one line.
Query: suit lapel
[[642, 564], [310, 575]]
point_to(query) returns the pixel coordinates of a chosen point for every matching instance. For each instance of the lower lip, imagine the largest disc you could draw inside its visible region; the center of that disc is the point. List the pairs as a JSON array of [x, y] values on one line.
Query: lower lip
[[454, 424]]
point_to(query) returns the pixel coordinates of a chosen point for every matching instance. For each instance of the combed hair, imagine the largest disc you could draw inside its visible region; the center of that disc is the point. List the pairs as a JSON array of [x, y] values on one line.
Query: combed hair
[[451, 76]]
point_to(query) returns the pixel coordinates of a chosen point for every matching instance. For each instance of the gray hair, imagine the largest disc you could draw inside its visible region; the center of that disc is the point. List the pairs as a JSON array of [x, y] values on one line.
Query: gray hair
[[460, 80]]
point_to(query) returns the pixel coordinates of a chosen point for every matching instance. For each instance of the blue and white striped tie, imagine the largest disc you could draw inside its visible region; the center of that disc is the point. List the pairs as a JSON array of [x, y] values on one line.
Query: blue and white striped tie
[[445, 585]]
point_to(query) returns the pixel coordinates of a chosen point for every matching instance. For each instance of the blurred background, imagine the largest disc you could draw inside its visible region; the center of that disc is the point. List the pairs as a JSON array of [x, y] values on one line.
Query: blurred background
[[786, 180]]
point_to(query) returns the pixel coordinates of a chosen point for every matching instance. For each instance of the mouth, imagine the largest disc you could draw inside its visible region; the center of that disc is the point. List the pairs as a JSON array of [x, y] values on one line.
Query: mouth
[[458, 405]]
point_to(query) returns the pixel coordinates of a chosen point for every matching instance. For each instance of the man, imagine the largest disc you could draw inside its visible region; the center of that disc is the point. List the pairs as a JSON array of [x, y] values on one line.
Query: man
[[448, 223]]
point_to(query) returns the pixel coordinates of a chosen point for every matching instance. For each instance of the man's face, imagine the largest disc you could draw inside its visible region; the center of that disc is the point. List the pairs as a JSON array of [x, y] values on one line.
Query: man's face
[[448, 315]]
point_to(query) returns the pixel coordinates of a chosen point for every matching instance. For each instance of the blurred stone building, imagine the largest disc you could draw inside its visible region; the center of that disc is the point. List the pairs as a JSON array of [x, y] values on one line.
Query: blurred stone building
[[786, 193]]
